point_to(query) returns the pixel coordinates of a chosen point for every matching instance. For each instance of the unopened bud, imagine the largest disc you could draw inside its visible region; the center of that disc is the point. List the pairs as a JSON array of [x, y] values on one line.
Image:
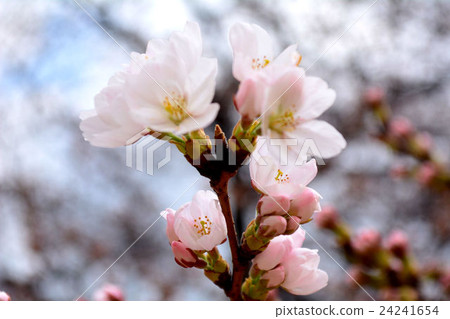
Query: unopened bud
[[423, 142], [184, 256], [109, 293], [367, 242], [374, 96], [400, 127], [426, 173], [398, 243], [328, 218], [293, 223], [271, 226], [305, 204], [274, 277], [4, 296], [273, 205]]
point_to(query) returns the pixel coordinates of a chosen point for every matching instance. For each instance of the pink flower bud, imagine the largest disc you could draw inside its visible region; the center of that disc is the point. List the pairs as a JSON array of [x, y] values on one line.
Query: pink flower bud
[[271, 226], [426, 173], [424, 142], [400, 127], [328, 218], [273, 205], [184, 256], [367, 242], [109, 293], [249, 101], [4, 296], [305, 204], [293, 223], [398, 243], [374, 96], [274, 277]]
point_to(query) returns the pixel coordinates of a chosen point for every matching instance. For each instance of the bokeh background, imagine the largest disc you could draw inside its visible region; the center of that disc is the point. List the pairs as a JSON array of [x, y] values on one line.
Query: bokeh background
[[68, 210]]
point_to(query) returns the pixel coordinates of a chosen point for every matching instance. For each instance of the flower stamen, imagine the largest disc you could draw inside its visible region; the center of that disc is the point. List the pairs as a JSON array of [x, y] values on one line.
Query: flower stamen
[[175, 106], [258, 64], [284, 121], [281, 177], [203, 226]]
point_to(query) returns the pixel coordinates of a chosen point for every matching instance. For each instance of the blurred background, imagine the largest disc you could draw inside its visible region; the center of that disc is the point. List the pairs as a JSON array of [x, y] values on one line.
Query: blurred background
[[69, 210]]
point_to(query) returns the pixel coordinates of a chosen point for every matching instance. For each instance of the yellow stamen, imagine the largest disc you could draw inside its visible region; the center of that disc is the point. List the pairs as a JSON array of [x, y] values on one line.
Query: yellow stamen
[[283, 121], [175, 106], [281, 177], [203, 227], [258, 64]]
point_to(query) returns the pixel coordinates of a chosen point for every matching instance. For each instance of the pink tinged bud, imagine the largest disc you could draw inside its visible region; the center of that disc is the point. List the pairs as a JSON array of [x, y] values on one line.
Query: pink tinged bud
[[424, 142], [184, 256], [249, 101], [305, 204], [328, 218], [374, 96], [109, 293], [273, 205], [398, 243], [4, 296], [400, 127], [426, 173], [274, 277], [367, 242], [271, 226], [293, 223]]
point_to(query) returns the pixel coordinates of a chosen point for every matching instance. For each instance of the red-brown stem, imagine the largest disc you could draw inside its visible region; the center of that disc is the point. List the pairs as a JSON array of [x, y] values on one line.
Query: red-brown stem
[[239, 267]]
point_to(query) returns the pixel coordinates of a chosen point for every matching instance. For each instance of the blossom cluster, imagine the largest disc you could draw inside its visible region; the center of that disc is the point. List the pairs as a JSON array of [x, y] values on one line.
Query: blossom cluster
[[169, 90]]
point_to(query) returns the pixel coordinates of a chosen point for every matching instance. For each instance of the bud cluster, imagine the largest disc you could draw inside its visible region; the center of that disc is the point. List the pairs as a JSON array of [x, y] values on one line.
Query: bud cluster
[[384, 264], [401, 136]]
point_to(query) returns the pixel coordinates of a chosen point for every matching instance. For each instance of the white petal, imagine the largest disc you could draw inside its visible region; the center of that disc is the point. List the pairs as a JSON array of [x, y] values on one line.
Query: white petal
[[328, 140], [288, 57], [317, 98]]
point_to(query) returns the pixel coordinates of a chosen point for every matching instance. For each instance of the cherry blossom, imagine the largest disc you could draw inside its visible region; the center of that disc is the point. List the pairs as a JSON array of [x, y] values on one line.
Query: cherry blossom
[[199, 224], [167, 89], [299, 265], [253, 51], [288, 103]]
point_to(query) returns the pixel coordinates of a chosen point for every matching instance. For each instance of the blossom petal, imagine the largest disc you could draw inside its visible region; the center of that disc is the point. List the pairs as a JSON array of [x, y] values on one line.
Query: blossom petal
[[317, 97], [327, 139]]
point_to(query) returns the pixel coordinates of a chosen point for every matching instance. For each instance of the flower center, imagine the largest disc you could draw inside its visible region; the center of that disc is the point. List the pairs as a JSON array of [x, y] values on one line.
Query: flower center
[[282, 178], [283, 121], [175, 106], [202, 226], [258, 64]]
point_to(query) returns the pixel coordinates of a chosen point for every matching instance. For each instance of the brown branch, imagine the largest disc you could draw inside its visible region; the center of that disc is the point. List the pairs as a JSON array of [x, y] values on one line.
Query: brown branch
[[239, 265]]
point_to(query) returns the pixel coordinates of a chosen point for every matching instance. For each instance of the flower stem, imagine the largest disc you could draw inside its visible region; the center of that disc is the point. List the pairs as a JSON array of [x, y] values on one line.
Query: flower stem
[[240, 265]]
